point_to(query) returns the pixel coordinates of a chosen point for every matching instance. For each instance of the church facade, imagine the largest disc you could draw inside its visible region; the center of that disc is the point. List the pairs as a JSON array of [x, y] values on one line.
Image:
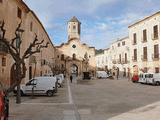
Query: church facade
[[74, 57]]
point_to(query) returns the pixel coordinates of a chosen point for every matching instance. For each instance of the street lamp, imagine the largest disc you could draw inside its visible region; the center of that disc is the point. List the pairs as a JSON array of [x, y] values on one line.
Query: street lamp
[[18, 33]]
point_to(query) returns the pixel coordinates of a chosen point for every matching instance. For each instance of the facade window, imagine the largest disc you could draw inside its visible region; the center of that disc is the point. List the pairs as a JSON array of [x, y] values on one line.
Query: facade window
[[144, 53], [134, 38], [74, 56], [1, 1], [62, 57], [123, 43], [156, 69], [57, 56], [155, 32], [126, 58], [3, 62], [74, 27], [119, 45], [31, 26], [135, 55], [144, 35], [19, 13], [156, 51]]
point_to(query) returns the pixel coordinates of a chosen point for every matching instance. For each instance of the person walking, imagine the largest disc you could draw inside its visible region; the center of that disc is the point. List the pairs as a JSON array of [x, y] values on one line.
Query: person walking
[[117, 73], [71, 78]]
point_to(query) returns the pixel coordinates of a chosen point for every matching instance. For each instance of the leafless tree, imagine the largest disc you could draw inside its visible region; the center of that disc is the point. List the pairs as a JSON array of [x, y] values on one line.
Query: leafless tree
[[14, 48]]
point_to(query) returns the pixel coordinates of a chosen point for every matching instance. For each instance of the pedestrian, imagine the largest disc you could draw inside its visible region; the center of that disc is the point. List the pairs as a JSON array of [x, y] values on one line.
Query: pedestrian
[[117, 73], [71, 78]]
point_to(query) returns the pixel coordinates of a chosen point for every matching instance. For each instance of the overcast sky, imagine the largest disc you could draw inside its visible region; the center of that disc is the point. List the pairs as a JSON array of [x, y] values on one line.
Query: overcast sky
[[103, 21]]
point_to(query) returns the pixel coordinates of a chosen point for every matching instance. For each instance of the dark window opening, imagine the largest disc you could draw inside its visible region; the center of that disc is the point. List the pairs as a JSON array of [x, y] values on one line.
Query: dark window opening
[[31, 26], [123, 43], [144, 35], [135, 54], [156, 51], [62, 57], [19, 13], [144, 53], [74, 56], [134, 38], [118, 44], [156, 69], [155, 32], [3, 61]]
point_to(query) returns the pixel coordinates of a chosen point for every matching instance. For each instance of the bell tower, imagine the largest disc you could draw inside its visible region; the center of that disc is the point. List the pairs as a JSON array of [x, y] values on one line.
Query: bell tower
[[74, 28]]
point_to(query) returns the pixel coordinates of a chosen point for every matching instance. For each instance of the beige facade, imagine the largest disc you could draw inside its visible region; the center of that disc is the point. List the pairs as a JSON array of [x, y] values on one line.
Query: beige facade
[[144, 36], [74, 57], [13, 12]]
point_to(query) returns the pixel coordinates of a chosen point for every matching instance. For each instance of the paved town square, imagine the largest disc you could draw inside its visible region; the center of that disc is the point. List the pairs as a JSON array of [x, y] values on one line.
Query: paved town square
[[101, 99]]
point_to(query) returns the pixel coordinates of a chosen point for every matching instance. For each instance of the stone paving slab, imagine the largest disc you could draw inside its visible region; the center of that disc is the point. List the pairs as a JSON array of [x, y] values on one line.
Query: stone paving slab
[[149, 112]]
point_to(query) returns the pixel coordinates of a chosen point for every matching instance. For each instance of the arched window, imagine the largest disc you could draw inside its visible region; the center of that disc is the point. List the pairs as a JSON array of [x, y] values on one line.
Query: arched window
[[74, 56]]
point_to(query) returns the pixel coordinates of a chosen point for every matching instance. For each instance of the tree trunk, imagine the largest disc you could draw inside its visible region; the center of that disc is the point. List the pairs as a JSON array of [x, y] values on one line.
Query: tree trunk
[[18, 97], [18, 71]]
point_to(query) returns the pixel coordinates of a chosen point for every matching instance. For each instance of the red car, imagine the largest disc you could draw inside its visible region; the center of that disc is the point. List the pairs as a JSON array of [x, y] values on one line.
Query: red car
[[135, 78]]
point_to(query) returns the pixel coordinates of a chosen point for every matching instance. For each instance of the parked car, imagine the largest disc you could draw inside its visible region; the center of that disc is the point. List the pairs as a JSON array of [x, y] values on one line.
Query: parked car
[[101, 74], [150, 78], [60, 79], [135, 78], [40, 86]]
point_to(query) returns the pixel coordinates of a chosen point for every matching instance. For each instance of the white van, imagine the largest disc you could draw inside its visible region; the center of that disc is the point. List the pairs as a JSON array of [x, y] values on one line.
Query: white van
[[150, 78], [101, 74], [41, 86]]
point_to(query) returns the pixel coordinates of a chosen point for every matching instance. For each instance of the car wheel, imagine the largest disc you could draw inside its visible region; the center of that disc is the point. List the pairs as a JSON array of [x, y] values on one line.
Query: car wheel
[[49, 93], [22, 94], [157, 83]]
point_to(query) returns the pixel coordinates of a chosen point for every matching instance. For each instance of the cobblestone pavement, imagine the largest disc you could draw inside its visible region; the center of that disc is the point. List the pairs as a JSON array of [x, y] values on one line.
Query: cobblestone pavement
[[86, 100]]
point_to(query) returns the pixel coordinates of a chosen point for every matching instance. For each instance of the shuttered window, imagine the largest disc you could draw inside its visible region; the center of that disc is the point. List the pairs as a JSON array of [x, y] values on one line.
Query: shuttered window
[[145, 53], [135, 54], [155, 31], [156, 51], [134, 38], [144, 35]]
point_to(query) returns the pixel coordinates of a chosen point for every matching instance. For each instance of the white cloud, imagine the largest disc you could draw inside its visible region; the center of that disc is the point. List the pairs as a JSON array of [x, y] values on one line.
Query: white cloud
[[99, 27]]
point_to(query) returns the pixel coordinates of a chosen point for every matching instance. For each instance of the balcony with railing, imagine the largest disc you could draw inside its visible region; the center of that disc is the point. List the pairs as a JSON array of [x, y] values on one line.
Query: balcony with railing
[[3, 49], [155, 36], [124, 61], [143, 58], [155, 57], [134, 59], [143, 40], [114, 61]]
